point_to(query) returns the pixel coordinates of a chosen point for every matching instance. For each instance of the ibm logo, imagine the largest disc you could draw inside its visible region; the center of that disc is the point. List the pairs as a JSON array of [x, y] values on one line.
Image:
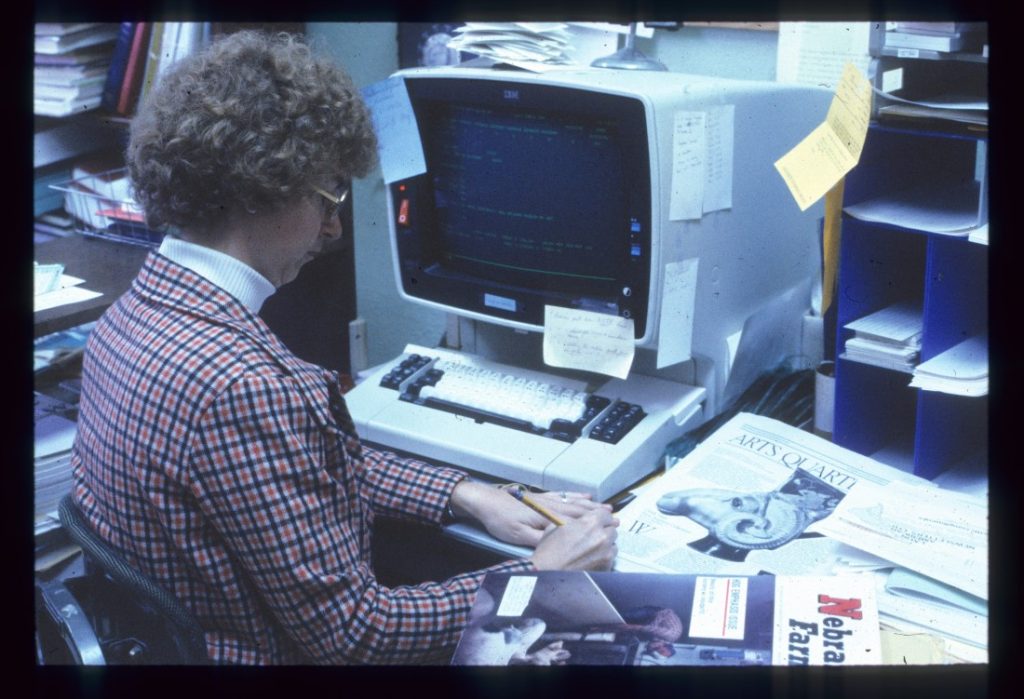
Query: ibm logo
[[510, 94]]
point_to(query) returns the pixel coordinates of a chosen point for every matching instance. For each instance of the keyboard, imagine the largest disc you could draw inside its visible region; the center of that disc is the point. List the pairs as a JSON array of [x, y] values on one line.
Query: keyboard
[[513, 400], [512, 424]]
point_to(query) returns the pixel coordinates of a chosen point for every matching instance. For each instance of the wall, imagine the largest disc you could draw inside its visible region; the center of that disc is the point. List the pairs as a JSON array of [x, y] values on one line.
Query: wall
[[369, 52]]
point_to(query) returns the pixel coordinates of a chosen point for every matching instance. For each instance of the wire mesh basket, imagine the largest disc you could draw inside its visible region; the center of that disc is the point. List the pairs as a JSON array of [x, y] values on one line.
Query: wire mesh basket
[[102, 207]]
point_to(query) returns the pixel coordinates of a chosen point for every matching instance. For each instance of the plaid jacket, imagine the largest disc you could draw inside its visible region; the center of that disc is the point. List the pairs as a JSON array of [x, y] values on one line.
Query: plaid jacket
[[228, 470]]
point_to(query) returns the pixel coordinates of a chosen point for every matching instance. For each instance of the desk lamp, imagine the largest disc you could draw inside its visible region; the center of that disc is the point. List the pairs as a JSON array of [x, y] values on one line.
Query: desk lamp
[[629, 57]]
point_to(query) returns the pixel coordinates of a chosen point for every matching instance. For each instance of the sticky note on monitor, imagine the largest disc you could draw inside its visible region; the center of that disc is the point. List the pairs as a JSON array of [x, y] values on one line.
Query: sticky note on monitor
[[590, 341], [394, 122]]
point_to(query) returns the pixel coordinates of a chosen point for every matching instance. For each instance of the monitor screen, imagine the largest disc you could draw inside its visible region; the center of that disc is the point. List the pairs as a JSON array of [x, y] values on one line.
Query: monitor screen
[[533, 195]]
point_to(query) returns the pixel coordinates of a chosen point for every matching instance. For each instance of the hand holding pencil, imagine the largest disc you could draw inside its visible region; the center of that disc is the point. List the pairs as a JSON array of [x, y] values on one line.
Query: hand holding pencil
[[583, 543], [568, 530]]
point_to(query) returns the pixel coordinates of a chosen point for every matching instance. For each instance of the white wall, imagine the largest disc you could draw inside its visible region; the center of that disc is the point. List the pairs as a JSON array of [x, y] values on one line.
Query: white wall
[[369, 52]]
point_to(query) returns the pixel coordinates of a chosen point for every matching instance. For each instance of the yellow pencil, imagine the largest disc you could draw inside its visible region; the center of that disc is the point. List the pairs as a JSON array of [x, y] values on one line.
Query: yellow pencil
[[522, 497]]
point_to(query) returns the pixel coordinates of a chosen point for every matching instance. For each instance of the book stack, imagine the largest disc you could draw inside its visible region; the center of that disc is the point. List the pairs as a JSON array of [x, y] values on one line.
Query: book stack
[[889, 338], [71, 65], [943, 37]]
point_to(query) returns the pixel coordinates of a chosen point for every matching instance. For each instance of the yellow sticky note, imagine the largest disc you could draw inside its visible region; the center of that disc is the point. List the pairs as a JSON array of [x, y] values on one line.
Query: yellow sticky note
[[819, 161]]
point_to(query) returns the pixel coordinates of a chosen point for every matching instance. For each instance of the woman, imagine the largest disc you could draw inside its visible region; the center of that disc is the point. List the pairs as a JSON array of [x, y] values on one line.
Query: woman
[[221, 464]]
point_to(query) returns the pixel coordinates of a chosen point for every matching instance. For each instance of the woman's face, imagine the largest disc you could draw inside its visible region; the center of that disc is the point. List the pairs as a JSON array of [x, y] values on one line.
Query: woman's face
[[297, 234]]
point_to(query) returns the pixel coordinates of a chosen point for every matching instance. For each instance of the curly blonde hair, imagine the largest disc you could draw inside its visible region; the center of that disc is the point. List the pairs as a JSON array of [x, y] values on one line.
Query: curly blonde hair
[[250, 123]]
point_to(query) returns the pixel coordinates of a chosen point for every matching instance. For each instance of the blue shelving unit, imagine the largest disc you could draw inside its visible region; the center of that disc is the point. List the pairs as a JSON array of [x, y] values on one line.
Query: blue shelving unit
[[876, 411]]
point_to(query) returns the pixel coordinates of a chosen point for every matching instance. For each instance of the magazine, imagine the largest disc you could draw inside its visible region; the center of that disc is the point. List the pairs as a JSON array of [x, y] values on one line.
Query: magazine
[[652, 619]]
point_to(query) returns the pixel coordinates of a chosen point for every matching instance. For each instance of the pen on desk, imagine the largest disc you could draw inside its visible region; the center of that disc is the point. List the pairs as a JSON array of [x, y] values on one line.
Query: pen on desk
[[522, 497]]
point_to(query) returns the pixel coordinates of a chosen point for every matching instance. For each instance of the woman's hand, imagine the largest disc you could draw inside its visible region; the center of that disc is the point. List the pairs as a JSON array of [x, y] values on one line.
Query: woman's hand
[[510, 520]]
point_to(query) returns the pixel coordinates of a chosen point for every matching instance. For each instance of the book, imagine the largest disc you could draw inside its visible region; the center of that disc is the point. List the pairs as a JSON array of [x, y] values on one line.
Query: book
[[153, 58], [118, 65], [132, 81], [80, 90], [925, 42], [44, 106], [68, 75], [79, 57], [61, 28], [76, 38], [659, 619]]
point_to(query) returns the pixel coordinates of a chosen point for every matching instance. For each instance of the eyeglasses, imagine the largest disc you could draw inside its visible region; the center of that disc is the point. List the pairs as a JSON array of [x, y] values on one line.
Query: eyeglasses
[[336, 200]]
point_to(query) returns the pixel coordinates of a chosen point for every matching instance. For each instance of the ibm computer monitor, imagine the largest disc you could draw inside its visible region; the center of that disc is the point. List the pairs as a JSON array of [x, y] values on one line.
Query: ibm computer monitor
[[557, 188]]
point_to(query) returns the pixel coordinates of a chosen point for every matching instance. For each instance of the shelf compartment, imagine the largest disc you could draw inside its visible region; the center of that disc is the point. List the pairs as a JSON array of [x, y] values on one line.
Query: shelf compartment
[[874, 407]]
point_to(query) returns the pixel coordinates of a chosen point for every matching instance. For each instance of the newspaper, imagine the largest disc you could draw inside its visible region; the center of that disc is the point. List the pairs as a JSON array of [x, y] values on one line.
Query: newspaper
[[655, 619], [760, 496], [747, 500]]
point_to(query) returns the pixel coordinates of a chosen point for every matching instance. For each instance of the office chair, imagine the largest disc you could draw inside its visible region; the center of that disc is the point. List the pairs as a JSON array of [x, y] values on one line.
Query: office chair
[[113, 614]]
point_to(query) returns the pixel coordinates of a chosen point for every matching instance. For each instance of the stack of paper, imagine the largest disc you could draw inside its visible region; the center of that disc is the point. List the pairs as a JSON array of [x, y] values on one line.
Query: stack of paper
[[961, 370], [889, 338], [54, 435], [515, 42]]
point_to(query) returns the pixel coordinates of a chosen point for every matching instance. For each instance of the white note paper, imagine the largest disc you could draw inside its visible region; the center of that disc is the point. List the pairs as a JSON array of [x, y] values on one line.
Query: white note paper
[[517, 595], [688, 158], [598, 342], [718, 133], [675, 326], [399, 147]]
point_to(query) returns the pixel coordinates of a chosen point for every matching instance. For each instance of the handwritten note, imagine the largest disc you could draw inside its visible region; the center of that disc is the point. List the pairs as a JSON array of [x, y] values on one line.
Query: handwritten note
[[832, 149], [718, 134], [394, 122], [702, 156], [688, 157], [598, 342], [675, 326]]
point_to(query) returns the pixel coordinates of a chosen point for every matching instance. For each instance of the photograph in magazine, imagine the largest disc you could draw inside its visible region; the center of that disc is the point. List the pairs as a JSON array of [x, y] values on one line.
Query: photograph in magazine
[[650, 619]]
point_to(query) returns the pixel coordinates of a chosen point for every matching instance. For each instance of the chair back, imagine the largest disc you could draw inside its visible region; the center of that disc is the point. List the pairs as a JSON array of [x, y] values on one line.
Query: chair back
[[137, 621]]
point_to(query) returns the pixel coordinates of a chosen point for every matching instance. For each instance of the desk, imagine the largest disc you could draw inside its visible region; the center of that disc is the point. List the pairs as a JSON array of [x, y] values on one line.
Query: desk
[[106, 266]]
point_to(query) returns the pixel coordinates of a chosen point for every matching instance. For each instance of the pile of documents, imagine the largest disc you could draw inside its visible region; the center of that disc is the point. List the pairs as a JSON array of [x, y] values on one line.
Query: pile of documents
[[761, 496], [889, 338], [54, 435], [515, 42], [961, 370]]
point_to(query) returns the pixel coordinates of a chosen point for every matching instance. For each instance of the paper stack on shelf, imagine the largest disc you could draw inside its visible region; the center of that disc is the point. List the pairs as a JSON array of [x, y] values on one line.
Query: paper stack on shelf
[[947, 210], [961, 370], [889, 338], [515, 43]]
